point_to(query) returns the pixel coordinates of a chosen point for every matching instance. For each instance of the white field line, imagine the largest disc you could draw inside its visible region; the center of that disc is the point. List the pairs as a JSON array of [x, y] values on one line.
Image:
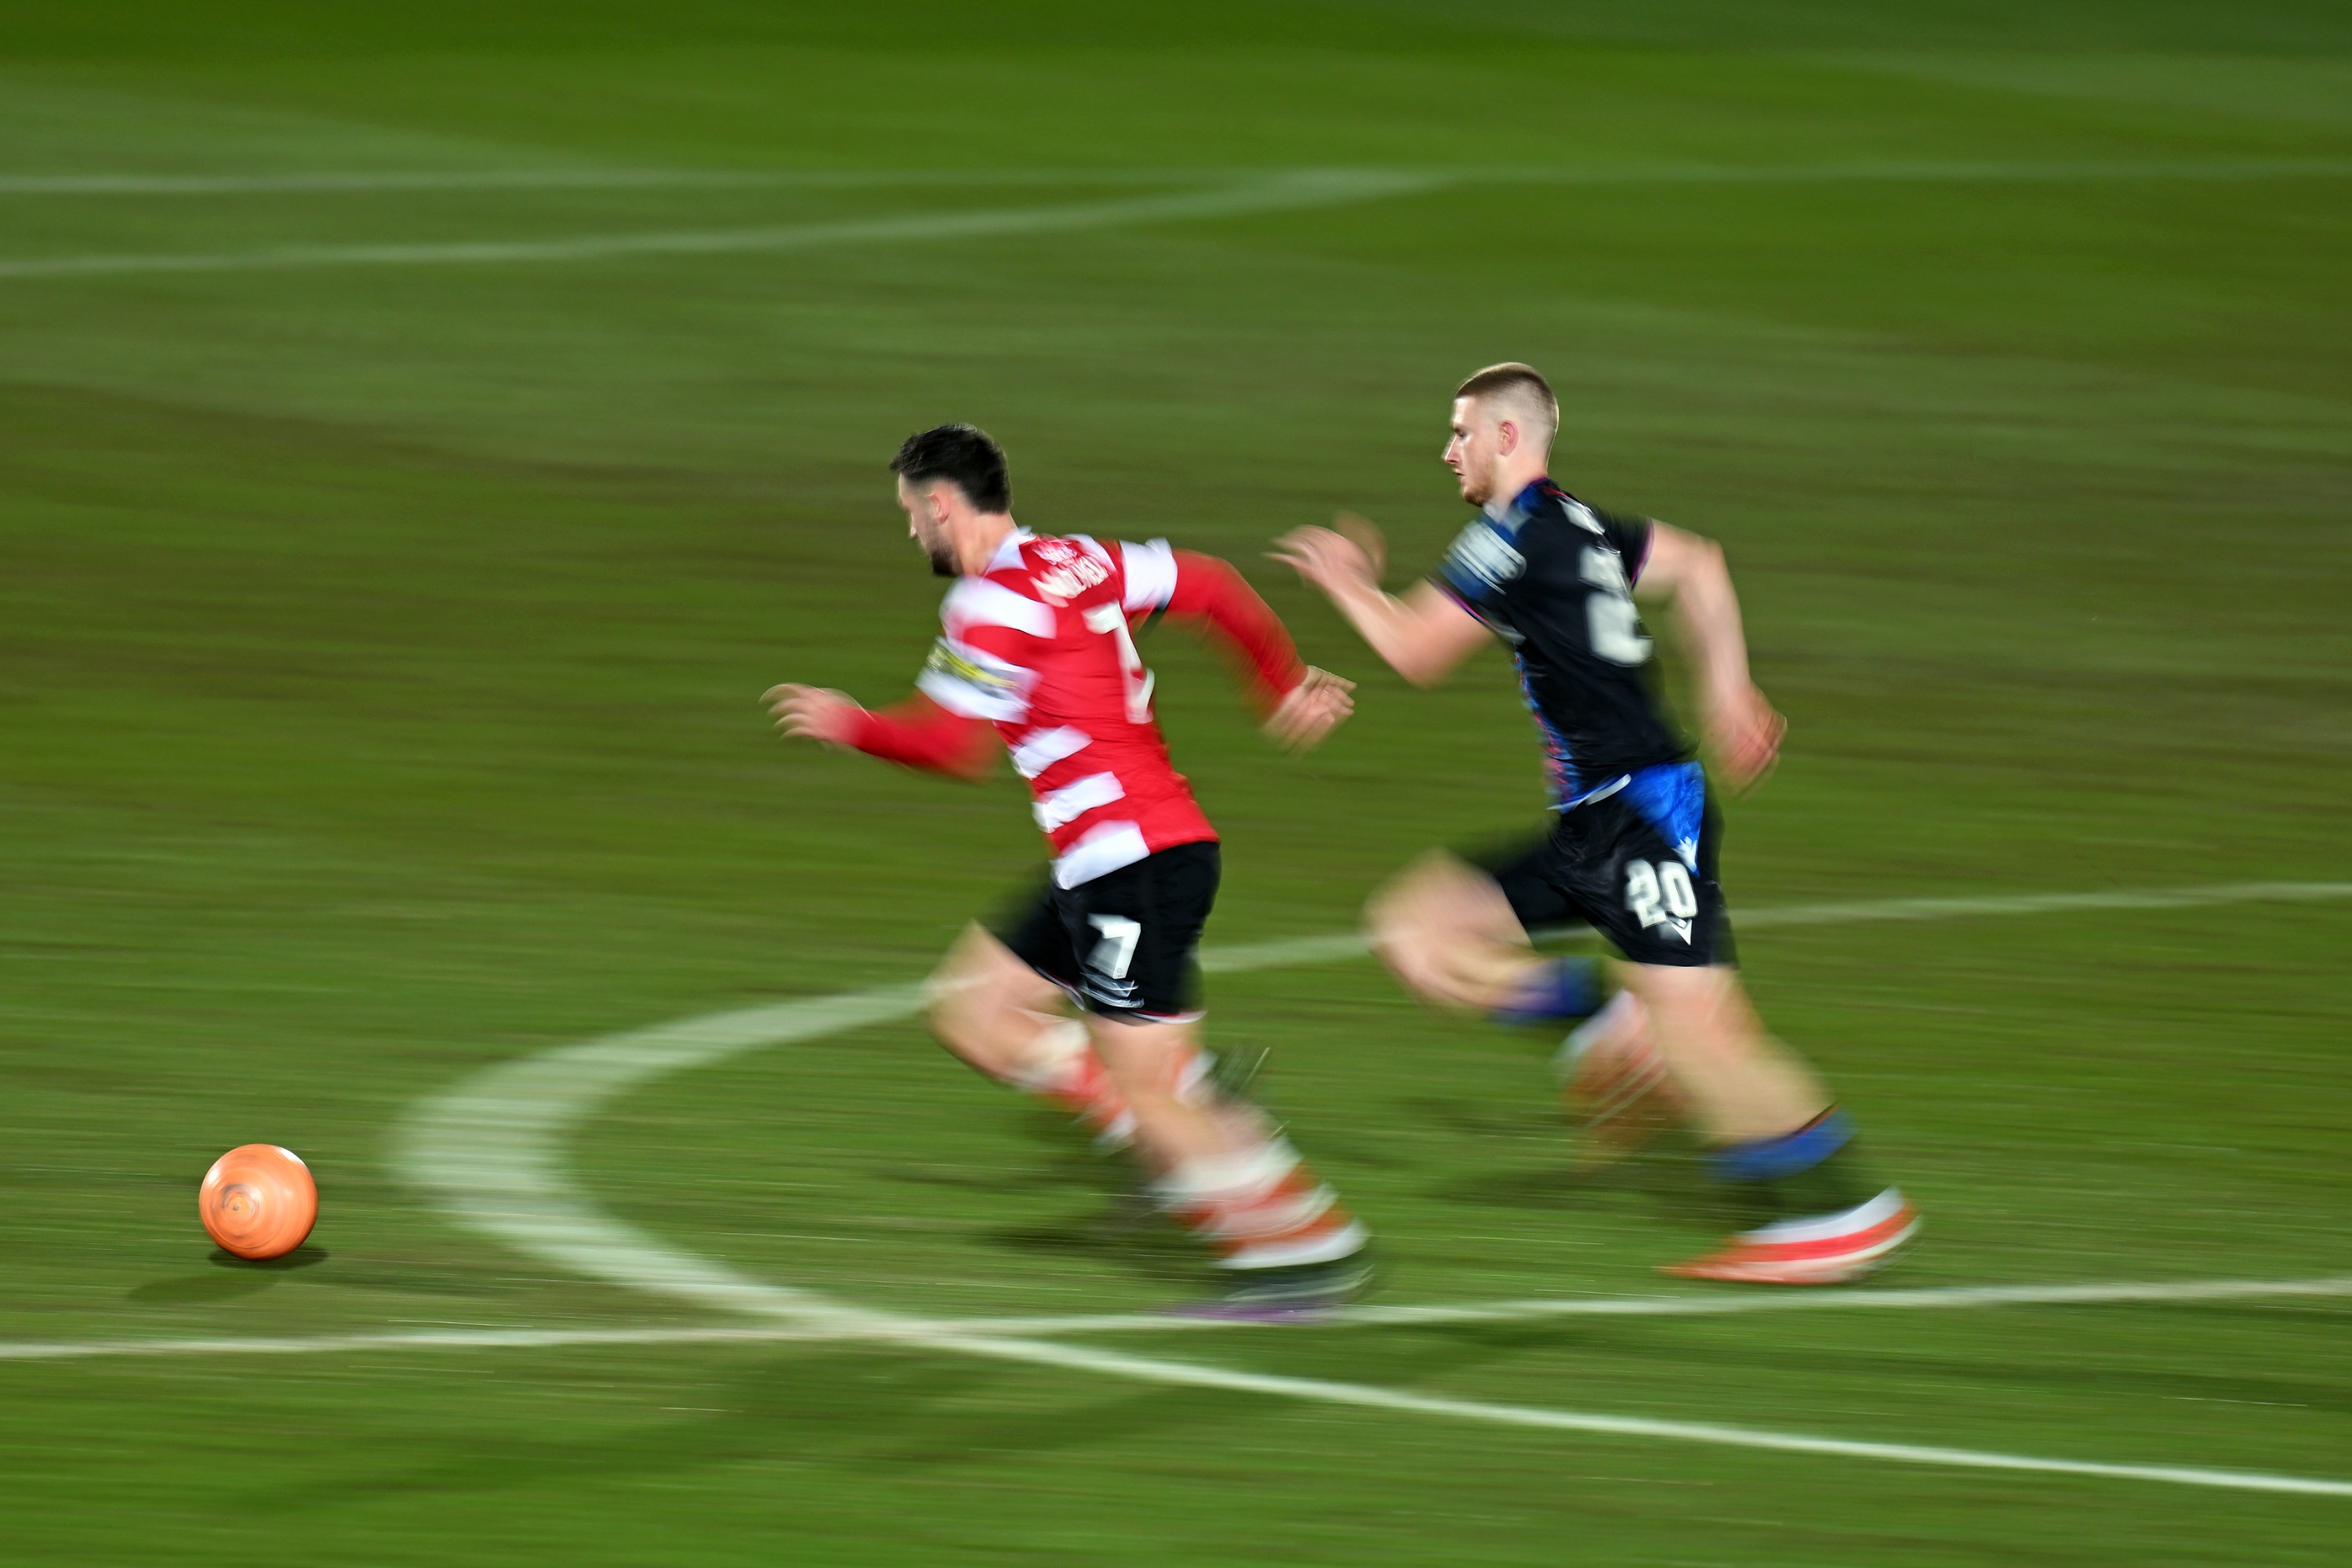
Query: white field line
[[1281, 192], [1114, 1363], [1917, 170], [1943, 1298], [1067, 1358], [1233, 192], [490, 1150], [2045, 903], [363, 181], [2148, 1293], [369, 182], [1347, 944]]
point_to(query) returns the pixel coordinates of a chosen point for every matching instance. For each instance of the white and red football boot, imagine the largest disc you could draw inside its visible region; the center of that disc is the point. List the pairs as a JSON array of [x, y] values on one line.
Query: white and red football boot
[[1821, 1250]]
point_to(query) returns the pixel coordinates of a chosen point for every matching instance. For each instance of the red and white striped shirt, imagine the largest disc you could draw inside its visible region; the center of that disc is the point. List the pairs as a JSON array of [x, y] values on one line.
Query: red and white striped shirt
[[1041, 646]]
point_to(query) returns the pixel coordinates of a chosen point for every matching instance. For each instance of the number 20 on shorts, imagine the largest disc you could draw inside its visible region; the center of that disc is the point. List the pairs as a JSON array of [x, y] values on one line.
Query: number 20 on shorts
[[1660, 892]]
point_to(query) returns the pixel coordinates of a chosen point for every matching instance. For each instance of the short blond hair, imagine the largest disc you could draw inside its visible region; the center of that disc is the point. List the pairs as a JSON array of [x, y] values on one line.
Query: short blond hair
[[1520, 387]]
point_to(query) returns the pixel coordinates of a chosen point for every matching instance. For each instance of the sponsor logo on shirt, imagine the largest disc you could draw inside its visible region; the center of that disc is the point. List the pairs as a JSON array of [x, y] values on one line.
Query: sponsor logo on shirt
[[1069, 571]]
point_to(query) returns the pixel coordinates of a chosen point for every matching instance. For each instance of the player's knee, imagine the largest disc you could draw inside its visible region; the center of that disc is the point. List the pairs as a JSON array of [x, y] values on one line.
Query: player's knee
[[959, 999], [954, 1024], [1406, 918]]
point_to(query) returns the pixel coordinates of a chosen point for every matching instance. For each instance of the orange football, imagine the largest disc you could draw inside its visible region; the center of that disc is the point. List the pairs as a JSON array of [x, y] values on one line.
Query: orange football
[[259, 1201]]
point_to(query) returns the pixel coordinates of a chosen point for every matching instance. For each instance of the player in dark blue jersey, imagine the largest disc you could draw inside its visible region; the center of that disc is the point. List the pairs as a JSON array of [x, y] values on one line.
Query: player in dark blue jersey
[[1631, 850]]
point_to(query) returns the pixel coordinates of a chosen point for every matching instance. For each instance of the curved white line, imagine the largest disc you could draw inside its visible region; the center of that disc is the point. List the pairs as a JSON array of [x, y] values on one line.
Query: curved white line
[[1281, 192], [489, 1151], [333, 182]]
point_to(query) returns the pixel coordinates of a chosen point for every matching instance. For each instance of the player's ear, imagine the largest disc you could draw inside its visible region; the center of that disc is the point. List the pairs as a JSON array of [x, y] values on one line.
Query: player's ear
[[1507, 436]]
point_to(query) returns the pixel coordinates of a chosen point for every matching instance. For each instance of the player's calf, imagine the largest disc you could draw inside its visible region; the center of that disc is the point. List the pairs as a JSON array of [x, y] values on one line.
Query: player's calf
[[1816, 1214], [1615, 1086]]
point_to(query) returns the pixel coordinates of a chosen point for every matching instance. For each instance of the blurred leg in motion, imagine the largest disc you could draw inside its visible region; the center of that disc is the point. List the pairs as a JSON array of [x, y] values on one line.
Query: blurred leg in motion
[[1775, 1137], [1123, 948], [1679, 1044], [1448, 934], [1012, 1024], [1225, 1173], [1615, 1086]]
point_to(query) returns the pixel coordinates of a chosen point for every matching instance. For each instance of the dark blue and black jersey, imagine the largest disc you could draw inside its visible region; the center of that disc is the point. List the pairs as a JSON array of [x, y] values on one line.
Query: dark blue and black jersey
[[1554, 579]]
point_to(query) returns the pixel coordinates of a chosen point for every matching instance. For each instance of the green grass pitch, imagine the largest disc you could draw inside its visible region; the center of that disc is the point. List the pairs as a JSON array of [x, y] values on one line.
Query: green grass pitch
[[423, 433]]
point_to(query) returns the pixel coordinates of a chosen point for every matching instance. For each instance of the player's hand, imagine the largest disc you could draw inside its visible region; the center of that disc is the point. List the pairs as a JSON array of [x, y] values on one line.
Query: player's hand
[[1745, 733], [1314, 707], [813, 712], [1332, 560]]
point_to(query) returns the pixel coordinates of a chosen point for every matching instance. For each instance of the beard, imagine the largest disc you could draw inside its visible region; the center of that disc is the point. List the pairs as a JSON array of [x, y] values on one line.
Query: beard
[[943, 562]]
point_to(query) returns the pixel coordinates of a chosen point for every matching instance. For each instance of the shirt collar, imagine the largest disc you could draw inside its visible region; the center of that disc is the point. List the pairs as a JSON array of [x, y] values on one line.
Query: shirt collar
[[1521, 506], [1009, 552]]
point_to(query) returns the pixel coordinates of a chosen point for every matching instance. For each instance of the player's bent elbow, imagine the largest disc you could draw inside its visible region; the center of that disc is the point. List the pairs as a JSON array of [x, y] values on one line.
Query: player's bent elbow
[[1425, 666], [1424, 674], [1417, 662]]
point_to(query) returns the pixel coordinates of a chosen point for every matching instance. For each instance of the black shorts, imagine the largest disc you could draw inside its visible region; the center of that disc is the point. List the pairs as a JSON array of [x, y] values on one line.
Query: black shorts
[[1638, 865], [1128, 945]]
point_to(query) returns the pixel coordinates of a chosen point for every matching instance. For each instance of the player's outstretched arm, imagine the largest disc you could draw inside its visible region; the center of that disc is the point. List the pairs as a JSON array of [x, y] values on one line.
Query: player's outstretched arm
[[1301, 704], [916, 734], [1423, 636], [1741, 725]]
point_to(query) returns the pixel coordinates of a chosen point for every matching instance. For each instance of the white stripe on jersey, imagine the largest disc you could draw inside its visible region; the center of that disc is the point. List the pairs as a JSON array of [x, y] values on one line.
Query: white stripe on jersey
[[1060, 808], [1107, 847], [1150, 575], [1041, 748], [979, 602]]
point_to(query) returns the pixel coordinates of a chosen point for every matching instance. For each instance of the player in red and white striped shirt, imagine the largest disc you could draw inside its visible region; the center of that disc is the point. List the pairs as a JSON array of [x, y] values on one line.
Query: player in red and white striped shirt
[[1037, 645]]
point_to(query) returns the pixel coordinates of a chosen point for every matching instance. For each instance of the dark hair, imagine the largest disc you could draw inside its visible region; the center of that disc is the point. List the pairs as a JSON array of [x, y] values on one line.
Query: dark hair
[[965, 455]]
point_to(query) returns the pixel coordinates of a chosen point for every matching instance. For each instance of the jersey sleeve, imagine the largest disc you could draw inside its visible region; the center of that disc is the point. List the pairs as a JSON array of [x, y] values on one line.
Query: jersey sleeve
[[921, 733], [1630, 537], [1481, 570], [1189, 586]]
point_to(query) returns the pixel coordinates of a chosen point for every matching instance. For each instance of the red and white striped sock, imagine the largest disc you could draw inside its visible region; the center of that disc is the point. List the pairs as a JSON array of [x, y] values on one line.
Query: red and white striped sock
[[1063, 1069], [1264, 1209]]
